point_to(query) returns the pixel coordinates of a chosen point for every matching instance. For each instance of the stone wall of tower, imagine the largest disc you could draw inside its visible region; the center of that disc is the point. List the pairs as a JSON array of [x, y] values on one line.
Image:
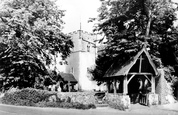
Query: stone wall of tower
[[82, 58], [77, 41]]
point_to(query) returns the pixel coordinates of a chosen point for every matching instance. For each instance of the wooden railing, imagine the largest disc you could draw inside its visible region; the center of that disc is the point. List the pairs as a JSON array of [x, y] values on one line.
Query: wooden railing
[[143, 99]]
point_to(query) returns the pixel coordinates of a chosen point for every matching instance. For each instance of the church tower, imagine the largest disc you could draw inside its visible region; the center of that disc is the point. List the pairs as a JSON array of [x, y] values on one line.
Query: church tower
[[82, 58]]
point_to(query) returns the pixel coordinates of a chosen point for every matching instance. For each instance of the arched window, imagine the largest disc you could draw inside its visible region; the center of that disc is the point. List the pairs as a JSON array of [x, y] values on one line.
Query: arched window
[[88, 48]]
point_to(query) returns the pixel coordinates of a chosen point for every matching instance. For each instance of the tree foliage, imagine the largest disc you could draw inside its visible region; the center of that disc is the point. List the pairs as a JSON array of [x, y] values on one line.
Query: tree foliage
[[128, 24], [30, 33]]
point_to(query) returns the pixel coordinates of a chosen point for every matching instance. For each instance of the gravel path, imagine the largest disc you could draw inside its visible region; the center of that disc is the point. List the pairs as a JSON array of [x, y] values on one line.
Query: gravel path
[[153, 110], [173, 106], [134, 110]]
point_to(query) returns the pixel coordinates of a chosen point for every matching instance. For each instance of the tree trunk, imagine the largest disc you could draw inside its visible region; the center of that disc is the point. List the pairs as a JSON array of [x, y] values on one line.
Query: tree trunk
[[148, 27], [55, 61], [148, 24]]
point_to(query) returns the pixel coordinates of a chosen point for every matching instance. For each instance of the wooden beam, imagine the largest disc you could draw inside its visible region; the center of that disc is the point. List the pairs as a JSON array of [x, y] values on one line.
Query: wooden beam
[[108, 86], [142, 73], [148, 78], [125, 87], [68, 85], [130, 78], [140, 65]]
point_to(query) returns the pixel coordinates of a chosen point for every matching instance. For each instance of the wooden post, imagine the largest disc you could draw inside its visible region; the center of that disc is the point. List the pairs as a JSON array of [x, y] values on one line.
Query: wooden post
[[114, 86], [176, 92], [108, 86], [125, 89], [69, 85], [117, 85], [152, 84]]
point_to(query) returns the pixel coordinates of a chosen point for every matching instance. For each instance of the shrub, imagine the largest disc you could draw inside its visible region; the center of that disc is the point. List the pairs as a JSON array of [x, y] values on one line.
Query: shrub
[[92, 106], [27, 97], [77, 105], [12, 90], [65, 105], [47, 104]]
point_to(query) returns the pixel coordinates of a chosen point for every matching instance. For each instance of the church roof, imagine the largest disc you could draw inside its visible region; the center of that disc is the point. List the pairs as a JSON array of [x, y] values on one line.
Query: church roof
[[117, 69], [68, 77], [64, 77]]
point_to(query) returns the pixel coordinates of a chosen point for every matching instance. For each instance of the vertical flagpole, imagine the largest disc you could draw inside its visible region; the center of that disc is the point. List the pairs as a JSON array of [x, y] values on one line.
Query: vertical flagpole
[[80, 29], [80, 26]]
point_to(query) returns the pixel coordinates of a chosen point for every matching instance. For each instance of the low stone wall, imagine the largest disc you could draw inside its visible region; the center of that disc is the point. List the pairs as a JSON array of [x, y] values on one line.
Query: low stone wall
[[152, 99], [80, 97], [164, 89], [118, 101]]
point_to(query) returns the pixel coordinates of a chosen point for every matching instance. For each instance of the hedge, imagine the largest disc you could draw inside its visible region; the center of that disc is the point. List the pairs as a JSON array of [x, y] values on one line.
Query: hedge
[[27, 96], [40, 98], [66, 105]]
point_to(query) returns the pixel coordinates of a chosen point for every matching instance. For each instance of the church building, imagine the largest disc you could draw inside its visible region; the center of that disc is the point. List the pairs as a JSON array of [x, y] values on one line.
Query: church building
[[82, 58]]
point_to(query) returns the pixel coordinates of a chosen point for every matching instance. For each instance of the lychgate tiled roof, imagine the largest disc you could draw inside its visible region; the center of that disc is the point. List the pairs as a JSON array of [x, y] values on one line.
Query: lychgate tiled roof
[[117, 69]]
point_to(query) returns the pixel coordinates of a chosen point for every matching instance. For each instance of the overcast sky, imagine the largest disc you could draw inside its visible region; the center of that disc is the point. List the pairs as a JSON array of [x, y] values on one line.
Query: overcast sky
[[78, 11]]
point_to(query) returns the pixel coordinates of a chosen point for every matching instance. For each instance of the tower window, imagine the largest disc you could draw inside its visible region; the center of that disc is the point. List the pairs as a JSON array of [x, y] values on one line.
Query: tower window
[[72, 70], [88, 48]]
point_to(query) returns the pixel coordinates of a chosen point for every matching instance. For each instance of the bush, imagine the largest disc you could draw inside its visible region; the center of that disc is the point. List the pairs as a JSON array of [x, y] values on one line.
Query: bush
[[27, 97], [77, 105], [47, 104], [65, 105]]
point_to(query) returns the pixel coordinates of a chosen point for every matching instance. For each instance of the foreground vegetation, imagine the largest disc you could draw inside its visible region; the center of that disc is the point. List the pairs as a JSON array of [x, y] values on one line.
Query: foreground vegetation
[[44, 98], [128, 24], [39, 98], [30, 39]]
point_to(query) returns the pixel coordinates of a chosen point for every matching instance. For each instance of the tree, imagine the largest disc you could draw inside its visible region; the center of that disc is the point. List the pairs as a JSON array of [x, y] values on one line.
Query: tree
[[30, 33], [130, 24]]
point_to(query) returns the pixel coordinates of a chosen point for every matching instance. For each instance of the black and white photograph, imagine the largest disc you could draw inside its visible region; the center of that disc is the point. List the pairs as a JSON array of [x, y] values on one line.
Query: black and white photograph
[[88, 57]]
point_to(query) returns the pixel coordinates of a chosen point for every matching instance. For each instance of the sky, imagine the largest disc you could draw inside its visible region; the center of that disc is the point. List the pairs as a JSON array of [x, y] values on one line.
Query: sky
[[78, 11]]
